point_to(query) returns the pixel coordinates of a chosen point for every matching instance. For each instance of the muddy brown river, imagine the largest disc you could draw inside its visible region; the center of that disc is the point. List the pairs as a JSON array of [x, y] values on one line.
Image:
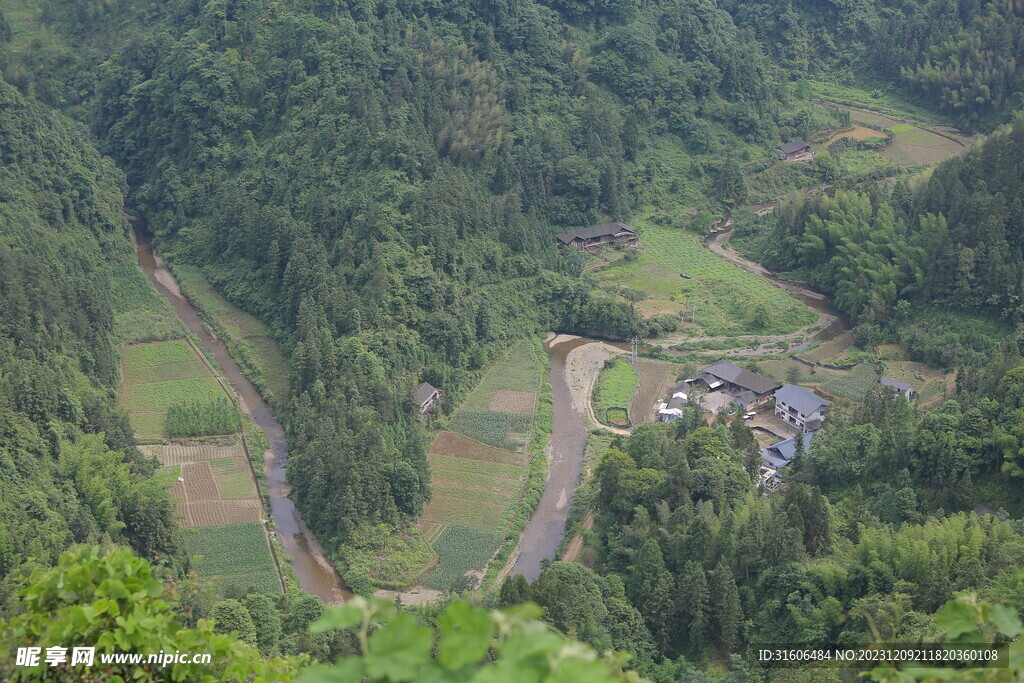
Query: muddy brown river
[[314, 571]]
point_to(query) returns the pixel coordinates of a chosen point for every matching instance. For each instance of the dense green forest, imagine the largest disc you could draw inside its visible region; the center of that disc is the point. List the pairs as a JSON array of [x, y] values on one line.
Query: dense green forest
[[947, 240], [70, 471], [381, 182], [688, 563]]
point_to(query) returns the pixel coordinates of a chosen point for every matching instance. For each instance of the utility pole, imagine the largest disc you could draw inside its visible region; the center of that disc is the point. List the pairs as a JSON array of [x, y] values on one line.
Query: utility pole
[[633, 346]]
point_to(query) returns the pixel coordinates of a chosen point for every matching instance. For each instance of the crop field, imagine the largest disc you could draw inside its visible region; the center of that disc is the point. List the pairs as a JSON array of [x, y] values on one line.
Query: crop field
[[461, 549], [452, 504], [162, 395], [523, 402], [236, 554], [518, 371], [478, 467], [233, 478], [492, 427], [613, 392], [656, 376], [918, 147], [218, 486], [828, 351], [463, 448], [853, 384], [157, 353], [156, 376], [148, 426], [188, 369], [856, 133], [725, 298]]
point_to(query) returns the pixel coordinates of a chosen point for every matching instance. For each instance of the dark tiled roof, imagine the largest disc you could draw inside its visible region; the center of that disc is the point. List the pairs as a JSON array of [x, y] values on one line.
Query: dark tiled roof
[[793, 147], [593, 232], [896, 384], [804, 401], [759, 384], [423, 392]]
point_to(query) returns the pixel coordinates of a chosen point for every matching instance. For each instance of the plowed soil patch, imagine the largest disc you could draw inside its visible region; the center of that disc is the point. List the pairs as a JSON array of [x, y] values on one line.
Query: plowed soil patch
[[199, 482], [450, 443], [513, 401]]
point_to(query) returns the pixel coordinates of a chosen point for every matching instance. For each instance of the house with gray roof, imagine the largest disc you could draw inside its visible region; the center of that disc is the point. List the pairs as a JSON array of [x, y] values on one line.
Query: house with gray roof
[[899, 387], [793, 149], [800, 408], [781, 454], [424, 396], [596, 236], [747, 387]]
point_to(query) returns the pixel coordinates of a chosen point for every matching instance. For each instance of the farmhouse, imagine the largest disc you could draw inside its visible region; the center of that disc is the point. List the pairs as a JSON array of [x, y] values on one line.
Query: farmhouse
[[424, 396], [673, 408], [747, 387], [899, 387], [781, 454], [800, 407], [795, 150], [597, 236]]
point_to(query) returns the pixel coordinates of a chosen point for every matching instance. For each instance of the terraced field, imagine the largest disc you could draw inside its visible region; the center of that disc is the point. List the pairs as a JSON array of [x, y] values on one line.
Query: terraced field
[[718, 296], [157, 375], [217, 485], [478, 466]]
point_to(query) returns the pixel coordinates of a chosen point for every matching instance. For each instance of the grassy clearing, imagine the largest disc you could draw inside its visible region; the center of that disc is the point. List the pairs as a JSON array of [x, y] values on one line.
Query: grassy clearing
[[615, 387], [728, 299], [162, 395], [237, 554], [157, 353], [388, 560], [140, 312], [250, 341], [852, 385], [460, 549]]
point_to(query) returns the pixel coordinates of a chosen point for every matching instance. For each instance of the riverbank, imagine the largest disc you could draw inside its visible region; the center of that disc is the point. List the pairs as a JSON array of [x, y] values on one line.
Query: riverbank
[[309, 562]]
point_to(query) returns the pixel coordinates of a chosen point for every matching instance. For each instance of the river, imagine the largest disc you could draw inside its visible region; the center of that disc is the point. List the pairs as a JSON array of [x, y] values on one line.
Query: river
[[314, 571]]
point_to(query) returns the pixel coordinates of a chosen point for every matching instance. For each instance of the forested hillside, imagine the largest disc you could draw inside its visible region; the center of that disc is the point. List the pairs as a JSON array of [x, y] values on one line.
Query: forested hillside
[[382, 186], [380, 183], [690, 563], [950, 239], [70, 472]]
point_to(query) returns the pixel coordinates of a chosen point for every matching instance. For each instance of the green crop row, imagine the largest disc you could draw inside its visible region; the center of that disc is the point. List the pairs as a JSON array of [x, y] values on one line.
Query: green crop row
[[517, 371], [157, 353], [163, 395], [490, 427], [460, 549], [237, 554]]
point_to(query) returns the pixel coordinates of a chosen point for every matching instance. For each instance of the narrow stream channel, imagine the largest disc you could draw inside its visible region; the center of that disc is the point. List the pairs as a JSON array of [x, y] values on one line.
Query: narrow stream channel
[[310, 563]]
